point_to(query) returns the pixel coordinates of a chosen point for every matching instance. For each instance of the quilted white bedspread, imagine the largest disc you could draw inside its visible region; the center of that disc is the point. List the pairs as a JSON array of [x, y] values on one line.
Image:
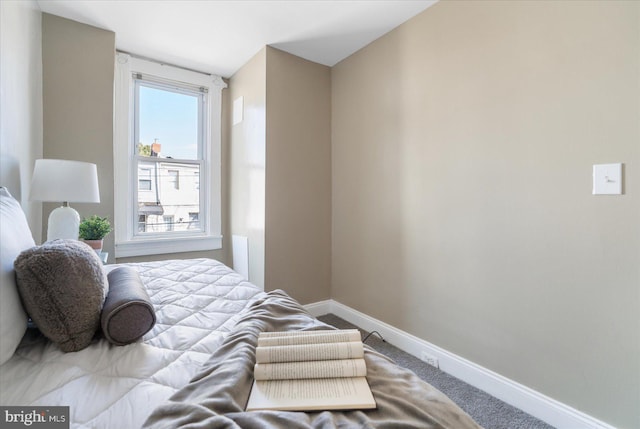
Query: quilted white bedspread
[[197, 302]]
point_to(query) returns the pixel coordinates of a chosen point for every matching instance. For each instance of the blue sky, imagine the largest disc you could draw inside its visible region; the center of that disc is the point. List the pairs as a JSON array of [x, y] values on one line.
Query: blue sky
[[171, 118]]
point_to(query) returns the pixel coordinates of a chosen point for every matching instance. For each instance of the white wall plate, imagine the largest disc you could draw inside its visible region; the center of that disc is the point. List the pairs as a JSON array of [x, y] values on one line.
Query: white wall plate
[[607, 179]]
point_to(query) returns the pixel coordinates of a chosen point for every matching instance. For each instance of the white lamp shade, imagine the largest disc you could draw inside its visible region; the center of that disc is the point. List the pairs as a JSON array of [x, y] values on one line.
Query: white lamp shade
[[65, 181]]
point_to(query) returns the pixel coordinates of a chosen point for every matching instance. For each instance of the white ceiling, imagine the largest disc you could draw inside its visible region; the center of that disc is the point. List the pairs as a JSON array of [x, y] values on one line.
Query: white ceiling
[[218, 37]]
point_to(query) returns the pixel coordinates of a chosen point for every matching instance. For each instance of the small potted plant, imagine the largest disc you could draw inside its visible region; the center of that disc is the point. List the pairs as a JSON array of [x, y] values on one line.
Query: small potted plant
[[93, 230]]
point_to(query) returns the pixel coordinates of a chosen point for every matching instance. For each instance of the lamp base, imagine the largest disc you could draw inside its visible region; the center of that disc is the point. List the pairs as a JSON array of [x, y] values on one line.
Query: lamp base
[[64, 222]]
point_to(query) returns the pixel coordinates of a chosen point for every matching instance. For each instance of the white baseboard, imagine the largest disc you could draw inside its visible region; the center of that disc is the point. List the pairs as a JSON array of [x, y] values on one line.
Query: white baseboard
[[549, 410], [321, 308]]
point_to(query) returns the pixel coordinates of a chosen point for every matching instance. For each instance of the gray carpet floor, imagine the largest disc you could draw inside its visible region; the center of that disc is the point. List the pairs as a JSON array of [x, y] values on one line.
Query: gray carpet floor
[[489, 412]]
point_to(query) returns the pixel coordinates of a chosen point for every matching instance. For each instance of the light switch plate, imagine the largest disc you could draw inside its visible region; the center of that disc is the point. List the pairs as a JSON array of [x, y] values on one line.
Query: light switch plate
[[607, 179]]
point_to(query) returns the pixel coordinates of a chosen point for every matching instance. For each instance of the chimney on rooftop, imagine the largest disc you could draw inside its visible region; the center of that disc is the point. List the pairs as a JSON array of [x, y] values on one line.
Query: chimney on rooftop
[[155, 148]]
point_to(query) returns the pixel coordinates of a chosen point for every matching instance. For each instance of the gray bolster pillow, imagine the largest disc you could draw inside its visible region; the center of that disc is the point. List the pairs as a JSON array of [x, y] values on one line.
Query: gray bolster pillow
[[128, 313]]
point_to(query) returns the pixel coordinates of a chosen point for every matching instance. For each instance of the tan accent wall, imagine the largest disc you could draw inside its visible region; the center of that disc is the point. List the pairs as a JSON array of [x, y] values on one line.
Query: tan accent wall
[[248, 162], [298, 177], [281, 172], [78, 66], [78, 78], [463, 145], [21, 104]]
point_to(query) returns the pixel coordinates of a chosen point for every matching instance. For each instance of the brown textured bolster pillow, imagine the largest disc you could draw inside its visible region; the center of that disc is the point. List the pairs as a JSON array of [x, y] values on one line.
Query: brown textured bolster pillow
[[128, 313]]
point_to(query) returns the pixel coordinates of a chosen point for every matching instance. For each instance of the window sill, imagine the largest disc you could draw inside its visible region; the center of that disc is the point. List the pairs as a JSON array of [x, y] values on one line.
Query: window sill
[[160, 246]]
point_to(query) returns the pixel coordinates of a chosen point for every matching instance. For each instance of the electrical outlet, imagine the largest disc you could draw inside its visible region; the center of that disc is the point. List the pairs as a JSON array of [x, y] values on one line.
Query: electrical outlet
[[430, 359]]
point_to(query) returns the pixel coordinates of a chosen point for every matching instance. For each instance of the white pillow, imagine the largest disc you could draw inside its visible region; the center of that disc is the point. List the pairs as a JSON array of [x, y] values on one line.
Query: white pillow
[[15, 236]]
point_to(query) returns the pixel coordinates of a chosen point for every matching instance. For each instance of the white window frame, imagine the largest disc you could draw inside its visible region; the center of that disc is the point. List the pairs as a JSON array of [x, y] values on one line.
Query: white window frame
[[127, 241]]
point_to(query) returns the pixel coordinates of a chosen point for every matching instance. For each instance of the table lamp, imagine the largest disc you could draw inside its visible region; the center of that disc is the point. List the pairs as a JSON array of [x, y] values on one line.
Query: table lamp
[[64, 181]]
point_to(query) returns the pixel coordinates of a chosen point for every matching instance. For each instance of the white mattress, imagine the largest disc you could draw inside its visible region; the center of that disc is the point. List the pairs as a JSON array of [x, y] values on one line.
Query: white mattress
[[197, 302]]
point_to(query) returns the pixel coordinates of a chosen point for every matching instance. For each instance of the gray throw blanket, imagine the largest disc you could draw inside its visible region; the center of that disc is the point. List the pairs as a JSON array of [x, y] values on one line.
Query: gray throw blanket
[[217, 396]]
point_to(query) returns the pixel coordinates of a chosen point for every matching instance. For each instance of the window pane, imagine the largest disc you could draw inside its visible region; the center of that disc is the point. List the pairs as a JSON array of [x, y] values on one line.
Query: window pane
[[167, 124], [171, 202], [142, 223], [174, 178], [144, 185], [168, 223], [144, 179], [194, 221]]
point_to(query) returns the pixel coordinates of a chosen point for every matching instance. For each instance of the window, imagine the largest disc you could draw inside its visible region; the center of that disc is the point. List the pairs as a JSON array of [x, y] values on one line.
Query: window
[[144, 184], [142, 223], [174, 179], [167, 223], [167, 131], [194, 222], [144, 179]]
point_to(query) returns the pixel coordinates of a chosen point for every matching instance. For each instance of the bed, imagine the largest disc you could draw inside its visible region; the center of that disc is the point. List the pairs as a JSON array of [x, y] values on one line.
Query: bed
[[194, 368]]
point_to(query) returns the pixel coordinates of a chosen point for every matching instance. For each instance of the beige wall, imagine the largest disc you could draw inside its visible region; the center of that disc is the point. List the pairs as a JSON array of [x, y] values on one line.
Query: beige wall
[[281, 173], [21, 103], [298, 177], [78, 75], [248, 160], [78, 67], [463, 143], [462, 146]]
